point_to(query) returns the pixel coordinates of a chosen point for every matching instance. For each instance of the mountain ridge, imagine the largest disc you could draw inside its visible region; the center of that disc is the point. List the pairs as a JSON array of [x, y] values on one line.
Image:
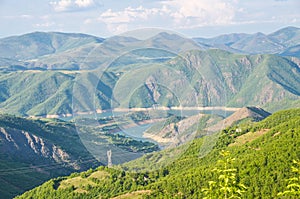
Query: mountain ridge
[[213, 78], [258, 43], [71, 74], [53, 50]]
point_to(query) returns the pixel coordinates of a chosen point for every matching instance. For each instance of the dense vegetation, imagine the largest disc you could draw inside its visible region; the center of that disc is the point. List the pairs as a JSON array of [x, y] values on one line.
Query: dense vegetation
[[58, 74], [27, 149], [35, 150], [262, 165], [209, 83]]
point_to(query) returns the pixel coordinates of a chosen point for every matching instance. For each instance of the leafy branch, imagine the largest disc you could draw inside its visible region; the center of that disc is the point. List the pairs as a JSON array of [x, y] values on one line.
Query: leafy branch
[[226, 186], [293, 187]]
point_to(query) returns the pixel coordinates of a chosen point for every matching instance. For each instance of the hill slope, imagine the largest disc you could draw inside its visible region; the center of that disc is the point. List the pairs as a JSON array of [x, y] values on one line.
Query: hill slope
[[55, 50], [211, 78], [258, 43], [34, 45], [259, 163], [196, 78], [33, 150]]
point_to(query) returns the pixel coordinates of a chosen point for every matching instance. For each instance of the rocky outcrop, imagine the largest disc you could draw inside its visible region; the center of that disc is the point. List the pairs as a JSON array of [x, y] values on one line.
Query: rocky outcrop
[[175, 133], [185, 130], [32, 148]]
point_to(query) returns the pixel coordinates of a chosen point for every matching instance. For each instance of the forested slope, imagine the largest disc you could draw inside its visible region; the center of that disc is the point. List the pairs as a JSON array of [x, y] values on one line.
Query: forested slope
[[263, 152]]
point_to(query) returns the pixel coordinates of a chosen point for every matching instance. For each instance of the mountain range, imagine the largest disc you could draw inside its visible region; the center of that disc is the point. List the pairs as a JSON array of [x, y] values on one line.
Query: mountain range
[[61, 73], [283, 42], [196, 78], [106, 85], [55, 50]]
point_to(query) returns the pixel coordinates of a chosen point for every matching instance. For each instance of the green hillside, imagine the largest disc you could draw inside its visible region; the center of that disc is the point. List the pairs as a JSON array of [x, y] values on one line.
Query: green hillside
[[147, 77], [33, 151], [158, 85], [43, 93], [36, 44], [212, 78], [70, 51], [262, 160]]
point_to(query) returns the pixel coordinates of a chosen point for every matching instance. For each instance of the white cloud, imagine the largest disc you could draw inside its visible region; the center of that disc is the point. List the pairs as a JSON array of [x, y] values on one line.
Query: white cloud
[[129, 14], [62, 5], [69, 5], [176, 13], [195, 13], [84, 3], [117, 28], [118, 21], [45, 25]]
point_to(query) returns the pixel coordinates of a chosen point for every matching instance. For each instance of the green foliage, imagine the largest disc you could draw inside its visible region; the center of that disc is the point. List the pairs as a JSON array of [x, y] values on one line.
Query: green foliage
[[293, 187], [130, 144], [226, 185], [260, 165], [23, 171], [42, 92], [37, 44]]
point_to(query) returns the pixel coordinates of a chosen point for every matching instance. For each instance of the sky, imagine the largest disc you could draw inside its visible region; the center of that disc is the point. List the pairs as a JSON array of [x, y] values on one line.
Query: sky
[[105, 18]]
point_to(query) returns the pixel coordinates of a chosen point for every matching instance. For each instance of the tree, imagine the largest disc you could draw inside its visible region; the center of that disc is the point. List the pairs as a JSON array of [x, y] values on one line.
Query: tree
[[226, 186], [293, 187]]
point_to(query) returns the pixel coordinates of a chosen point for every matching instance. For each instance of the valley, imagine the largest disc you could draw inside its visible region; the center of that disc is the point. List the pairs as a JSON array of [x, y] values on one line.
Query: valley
[[201, 83], [160, 174], [84, 117]]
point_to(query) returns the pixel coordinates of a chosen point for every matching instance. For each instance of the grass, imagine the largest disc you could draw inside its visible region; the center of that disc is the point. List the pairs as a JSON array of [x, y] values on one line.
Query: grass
[[101, 175], [77, 182], [136, 194], [248, 137]]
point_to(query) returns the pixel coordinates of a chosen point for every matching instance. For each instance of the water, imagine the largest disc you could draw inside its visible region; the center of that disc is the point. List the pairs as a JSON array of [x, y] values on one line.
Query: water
[[136, 132]]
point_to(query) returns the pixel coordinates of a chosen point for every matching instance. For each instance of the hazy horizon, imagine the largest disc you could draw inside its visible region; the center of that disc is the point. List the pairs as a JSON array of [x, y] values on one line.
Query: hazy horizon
[[102, 18]]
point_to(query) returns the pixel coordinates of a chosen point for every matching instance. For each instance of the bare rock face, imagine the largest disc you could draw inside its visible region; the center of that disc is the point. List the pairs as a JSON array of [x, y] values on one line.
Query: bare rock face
[[152, 86], [28, 146], [177, 133]]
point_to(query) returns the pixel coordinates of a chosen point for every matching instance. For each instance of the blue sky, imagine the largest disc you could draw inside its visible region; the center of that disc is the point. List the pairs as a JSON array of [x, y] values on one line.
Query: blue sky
[[104, 18]]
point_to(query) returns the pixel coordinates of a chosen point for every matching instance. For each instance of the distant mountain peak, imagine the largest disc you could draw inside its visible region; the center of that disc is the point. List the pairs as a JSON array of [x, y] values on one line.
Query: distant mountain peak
[[289, 28], [254, 112], [123, 39], [259, 34], [168, 36]]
